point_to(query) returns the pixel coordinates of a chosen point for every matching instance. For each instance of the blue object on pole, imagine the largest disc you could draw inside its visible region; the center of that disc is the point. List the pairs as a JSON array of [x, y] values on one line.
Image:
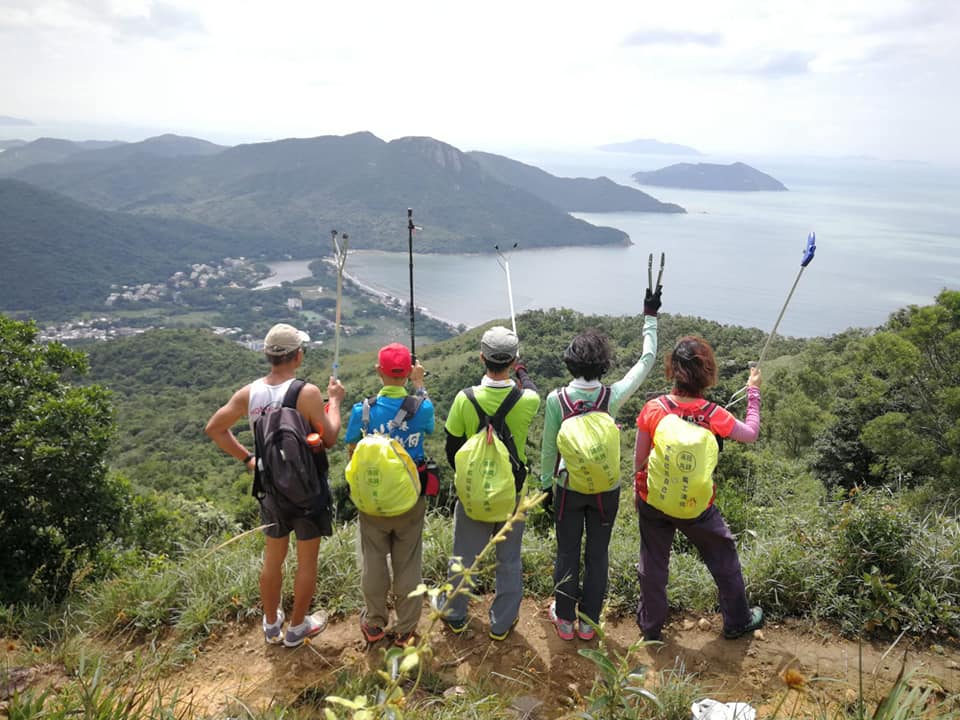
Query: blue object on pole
[[809, 250]]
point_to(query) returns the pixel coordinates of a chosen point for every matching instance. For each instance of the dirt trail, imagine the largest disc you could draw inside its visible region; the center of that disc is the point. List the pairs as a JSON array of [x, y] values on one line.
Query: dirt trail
[[237, 667]]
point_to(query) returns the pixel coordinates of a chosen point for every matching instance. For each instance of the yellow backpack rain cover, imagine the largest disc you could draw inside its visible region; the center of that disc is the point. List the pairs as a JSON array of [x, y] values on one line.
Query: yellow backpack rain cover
[[383, 478], [484, 471], [589, 443], [680, 467]]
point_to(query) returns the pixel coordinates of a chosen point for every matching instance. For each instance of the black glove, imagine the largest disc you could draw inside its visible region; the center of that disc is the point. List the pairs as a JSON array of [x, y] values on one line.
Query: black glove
[[547, 503], [651, 301]]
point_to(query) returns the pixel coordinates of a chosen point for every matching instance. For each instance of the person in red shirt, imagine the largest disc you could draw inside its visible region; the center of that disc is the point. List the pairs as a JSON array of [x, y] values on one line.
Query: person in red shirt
[[667, 503]]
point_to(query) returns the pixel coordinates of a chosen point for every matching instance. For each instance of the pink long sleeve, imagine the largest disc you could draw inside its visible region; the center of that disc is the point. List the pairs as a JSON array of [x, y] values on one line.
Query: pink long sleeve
[[749, 430]]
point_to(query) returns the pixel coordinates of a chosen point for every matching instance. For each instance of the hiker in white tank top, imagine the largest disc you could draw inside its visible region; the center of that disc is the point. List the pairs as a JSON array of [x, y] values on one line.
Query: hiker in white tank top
[[283, 347]]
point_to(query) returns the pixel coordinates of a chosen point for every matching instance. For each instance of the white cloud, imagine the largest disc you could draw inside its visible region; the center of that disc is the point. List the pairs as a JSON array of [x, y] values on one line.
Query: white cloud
[[732, 76]]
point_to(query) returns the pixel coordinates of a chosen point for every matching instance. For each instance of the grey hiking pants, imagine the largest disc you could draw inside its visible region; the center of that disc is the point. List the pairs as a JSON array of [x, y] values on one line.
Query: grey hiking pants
[[469, 538], [710, 535], [576, 514], [400, 537]]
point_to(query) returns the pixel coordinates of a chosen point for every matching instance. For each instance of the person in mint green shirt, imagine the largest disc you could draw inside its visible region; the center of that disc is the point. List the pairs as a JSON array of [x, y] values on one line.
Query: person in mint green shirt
[[499, 352], [587, 357]]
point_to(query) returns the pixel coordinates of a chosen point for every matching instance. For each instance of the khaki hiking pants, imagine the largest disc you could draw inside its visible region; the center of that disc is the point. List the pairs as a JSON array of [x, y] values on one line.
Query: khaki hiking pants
[[400, 538]]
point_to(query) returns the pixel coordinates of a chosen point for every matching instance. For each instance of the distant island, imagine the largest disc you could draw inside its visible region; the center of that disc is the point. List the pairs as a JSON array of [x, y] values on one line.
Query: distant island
[[7, 121], [737, 177], [649, 146]]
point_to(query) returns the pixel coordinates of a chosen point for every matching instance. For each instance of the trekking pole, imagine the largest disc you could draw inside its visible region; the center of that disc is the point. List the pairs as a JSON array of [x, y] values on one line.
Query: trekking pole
[[413, 342], [340, 258], [808, 253], [663, 260], [504, 262]]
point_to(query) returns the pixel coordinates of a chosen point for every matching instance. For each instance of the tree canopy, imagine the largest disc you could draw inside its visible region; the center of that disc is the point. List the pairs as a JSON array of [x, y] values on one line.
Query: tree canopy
[[57, 504]]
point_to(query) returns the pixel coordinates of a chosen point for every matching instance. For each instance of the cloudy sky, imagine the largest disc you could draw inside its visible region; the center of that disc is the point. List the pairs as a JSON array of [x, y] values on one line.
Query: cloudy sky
[[834, 77]]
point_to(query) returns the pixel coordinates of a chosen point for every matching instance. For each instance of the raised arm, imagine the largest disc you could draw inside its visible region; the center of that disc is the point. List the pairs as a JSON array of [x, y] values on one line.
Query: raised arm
[[621, 390], [325, 420], [749, 430], [526, 382]]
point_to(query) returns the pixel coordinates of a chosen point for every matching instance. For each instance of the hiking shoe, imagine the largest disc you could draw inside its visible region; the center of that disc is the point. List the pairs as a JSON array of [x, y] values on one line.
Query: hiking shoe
[[273, 634], [585, 631], [438, 603], [372, 633], [500, 637], [653, 636], [756, 622], [405, 639], [564, 627], [312, 625], [457, 627]]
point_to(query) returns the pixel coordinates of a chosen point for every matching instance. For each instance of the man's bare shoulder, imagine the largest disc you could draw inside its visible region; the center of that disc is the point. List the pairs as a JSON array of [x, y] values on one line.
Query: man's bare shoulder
[[243, 393], [312, 391]]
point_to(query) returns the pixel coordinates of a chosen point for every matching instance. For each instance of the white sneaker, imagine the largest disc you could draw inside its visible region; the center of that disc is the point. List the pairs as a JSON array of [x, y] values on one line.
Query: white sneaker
[[312, 625], [273, 634]]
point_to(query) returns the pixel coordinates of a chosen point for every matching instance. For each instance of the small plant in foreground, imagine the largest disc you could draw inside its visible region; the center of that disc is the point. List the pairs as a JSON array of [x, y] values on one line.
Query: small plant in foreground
[[618, 689], [391, 701]]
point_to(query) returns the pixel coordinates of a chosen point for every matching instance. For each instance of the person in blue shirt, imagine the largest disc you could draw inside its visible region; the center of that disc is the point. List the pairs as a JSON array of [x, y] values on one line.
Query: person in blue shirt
[[401, 536]]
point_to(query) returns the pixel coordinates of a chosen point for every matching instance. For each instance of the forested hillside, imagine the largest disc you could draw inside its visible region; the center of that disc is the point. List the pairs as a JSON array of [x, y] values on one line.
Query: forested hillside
[[58, 252]]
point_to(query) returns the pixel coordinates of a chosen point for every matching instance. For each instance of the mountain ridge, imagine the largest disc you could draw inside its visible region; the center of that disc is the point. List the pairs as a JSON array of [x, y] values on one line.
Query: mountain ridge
[[572, 194], [294, 189]]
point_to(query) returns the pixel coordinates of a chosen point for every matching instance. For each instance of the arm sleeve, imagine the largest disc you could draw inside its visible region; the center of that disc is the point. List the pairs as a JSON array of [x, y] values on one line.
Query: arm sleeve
[[548, 444], [621, 390], [526, 383], [749, 430], [454, 443]]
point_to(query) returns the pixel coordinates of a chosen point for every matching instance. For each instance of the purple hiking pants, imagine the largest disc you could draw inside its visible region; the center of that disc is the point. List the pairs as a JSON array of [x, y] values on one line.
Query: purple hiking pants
[[711, 536]]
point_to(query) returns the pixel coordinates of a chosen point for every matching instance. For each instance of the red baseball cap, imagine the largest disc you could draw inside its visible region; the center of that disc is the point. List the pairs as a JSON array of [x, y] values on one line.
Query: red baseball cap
[[394, 360]]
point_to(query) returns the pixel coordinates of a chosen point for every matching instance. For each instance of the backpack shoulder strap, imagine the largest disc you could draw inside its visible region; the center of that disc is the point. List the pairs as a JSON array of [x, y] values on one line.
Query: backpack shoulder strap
[[667, 404], [481, 415], [512, 398], [408, 408], [566, 407], [603, 399], [365, 414], [499, 419], [293, 392]]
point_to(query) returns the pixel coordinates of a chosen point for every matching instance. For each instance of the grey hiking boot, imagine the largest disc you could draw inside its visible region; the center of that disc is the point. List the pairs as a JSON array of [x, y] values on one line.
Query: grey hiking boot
[[439, 604], [756, 622], [312, 625], [273, 634]]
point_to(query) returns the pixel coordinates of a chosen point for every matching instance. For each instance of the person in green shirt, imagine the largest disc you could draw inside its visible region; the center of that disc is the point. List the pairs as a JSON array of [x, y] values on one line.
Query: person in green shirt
[[499, 352]]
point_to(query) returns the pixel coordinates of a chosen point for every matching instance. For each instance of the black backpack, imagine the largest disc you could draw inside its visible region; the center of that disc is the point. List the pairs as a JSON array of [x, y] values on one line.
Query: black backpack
[[289, 469]]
